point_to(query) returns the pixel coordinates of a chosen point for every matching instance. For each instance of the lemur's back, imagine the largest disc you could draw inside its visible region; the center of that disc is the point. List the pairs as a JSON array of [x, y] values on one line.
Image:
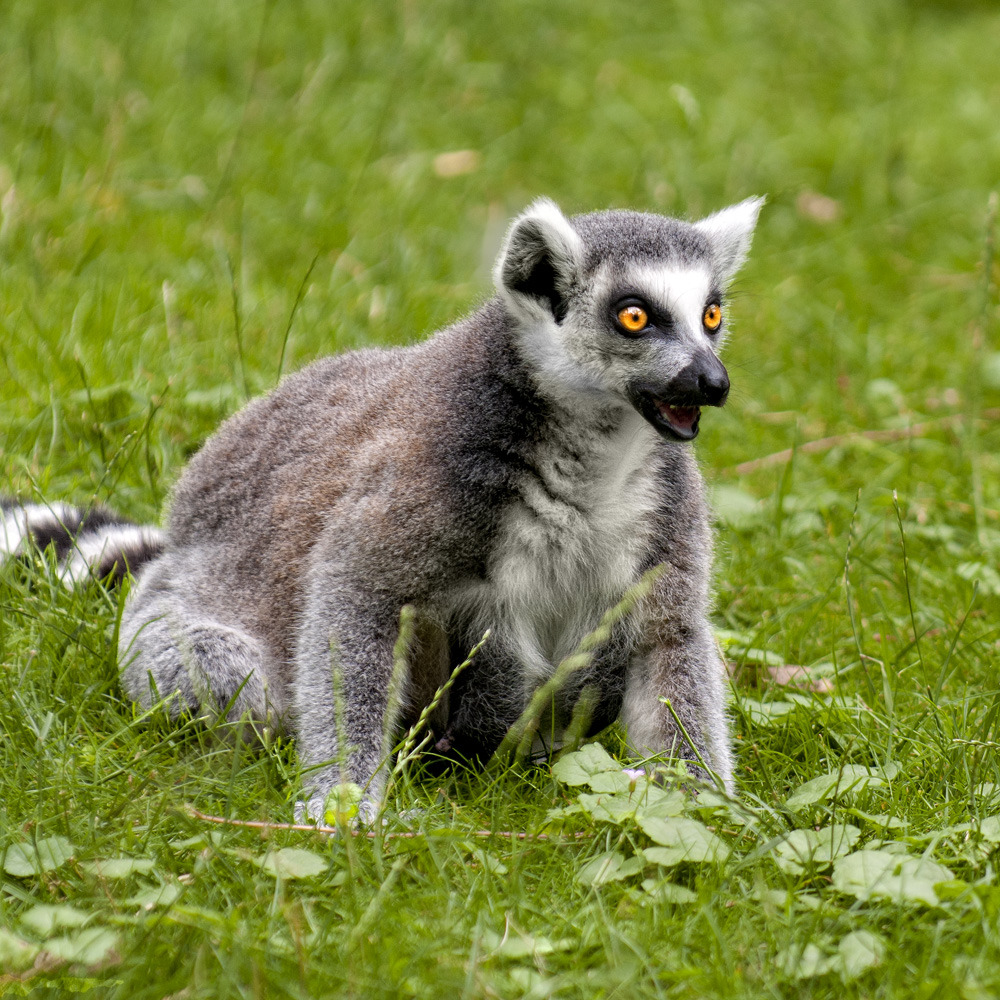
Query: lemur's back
[[252, 503], [418, 435]]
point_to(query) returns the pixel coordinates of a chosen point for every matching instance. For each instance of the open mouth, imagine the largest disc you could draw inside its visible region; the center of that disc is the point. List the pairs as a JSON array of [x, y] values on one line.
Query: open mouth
[[681, 420], [673, 410], [674, 421]]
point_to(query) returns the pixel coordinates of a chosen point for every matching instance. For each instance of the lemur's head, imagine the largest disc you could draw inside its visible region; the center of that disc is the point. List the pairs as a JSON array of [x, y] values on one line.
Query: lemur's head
[[627, 305]]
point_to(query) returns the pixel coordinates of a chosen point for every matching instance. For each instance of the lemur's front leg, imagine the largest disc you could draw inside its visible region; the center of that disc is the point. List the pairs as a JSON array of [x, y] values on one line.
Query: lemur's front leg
[[343, 669], [681, 667]]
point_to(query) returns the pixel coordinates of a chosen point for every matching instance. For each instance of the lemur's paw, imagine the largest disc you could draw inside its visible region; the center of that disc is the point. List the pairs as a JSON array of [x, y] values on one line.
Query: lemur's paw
[[678, 773], [411, 816], [367, 814], [312, 811], [343, 807]]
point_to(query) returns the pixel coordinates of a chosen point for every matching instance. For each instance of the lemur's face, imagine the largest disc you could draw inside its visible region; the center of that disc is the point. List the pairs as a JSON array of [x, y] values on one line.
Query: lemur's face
[[649, 335], [626, 306]]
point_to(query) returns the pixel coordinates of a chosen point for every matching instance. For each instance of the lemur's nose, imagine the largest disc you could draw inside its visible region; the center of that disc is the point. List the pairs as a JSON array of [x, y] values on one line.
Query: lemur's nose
[[705, 381], [713, 381]]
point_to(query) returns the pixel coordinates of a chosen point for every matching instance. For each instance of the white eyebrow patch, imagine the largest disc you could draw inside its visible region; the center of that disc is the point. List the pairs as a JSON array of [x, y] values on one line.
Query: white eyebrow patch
[[682, 292]]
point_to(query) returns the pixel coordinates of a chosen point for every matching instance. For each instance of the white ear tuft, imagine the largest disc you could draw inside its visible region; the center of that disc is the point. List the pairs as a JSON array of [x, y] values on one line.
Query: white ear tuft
[[730, 232], [540, 262]]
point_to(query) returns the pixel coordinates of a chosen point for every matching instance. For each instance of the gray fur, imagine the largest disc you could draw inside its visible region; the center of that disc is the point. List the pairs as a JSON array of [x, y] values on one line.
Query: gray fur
[[518, 471]]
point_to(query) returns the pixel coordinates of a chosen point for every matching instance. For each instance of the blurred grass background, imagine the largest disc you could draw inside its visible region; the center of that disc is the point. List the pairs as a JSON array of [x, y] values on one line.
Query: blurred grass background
[[196, 196]]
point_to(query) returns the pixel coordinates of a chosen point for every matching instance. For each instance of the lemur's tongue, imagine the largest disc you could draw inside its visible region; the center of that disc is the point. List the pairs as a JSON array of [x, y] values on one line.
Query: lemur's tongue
[[681, 417]]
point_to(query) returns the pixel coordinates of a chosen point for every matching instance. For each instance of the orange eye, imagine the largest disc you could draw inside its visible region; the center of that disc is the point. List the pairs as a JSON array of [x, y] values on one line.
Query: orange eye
[[633, 318], [713, 317]]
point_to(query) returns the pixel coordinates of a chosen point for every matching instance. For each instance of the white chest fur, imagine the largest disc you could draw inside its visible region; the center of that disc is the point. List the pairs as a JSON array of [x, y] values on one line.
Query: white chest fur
[[574, 542]]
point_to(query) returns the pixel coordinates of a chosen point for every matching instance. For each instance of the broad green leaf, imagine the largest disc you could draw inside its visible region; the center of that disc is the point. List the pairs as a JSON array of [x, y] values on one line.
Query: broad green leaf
[[490, 862], [860, 874], [15, 954], [46, 855], [517, 944], [987, 790], [889, 846], [806, 900], [647, 798], [854, 955], [87, 947], [851, 778], [119, 867], [611, 781], [581, 766], [858, 952], [157, 895], [765, 713], [44, 920], [795, 852], [946, 891], [735, 507], [785, 899], [802, 849], [608, 808], [612, 866], [801, 700], [749, 654], [529, 983], [668, 892], [989, 829], [708, 800], [667, 857], [660, 803], [983, 574], [914, 873], [937, 834], [207, 838], [882, 875], [292, 862], [780, 898], [804, 961], [204, 919], [729, 636], [681, 839], [883, 820], [559, 815]]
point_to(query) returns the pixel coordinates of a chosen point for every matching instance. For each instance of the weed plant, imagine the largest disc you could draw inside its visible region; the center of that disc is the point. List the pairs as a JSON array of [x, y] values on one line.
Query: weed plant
[[196, 197]]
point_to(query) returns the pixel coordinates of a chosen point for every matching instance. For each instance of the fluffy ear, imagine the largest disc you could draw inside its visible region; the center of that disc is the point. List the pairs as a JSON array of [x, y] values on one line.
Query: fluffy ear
[[540, 262], [730, 232]]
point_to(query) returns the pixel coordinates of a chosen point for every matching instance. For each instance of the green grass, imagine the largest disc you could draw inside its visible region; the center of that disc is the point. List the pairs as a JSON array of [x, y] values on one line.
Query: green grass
[[197, 195]]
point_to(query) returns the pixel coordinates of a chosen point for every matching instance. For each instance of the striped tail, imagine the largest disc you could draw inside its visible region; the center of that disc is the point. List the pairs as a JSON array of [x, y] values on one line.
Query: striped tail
[[89, 544]]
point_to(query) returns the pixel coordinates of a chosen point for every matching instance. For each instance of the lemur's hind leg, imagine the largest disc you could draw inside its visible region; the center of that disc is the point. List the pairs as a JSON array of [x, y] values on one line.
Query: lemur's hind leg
[[192, 663]]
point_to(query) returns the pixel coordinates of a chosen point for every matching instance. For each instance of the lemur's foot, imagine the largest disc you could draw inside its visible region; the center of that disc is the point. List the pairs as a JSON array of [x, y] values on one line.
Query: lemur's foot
[[325, 812]]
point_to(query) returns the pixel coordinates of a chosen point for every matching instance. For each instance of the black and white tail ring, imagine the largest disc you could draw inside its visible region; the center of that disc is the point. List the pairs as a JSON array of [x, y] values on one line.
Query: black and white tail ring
[[93, 543]]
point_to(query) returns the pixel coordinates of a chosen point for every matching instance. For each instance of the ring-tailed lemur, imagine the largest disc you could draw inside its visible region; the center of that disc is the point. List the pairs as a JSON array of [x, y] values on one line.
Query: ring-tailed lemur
[[518, 471]]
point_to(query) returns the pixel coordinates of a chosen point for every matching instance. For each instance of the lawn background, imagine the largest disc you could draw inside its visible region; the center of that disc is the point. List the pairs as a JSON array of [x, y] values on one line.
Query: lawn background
[[197, 196]]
